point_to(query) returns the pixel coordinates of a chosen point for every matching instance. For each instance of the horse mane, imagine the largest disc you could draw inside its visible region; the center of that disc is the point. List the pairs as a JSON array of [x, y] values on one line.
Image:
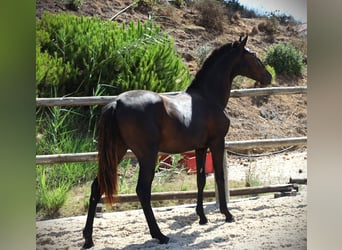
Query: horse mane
[[224, 49]]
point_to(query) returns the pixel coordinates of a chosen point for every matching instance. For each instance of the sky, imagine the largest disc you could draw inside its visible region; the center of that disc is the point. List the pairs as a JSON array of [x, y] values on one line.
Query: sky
[[296, 8]]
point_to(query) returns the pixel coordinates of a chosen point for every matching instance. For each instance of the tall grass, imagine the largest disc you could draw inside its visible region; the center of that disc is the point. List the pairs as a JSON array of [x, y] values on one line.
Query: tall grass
[[59, 130]]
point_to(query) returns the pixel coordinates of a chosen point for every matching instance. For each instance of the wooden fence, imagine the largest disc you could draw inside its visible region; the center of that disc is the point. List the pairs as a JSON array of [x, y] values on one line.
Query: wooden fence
[[183, 195], [235, 145], [102, 100]]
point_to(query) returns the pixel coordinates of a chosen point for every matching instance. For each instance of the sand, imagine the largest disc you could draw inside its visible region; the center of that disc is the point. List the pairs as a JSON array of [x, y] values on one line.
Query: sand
[[261, 222]]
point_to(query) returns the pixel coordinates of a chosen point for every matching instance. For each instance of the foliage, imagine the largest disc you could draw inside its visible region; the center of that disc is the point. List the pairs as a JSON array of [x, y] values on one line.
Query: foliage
[[202, 53], [49, 199], [272, 72], [269, 26], [58, 131], [235, 6], [285, 59], [212, 14], [73, 4], [75, 54]]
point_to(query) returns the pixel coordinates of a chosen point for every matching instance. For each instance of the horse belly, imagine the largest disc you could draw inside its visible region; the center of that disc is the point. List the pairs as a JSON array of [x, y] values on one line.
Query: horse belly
[[178, 141]]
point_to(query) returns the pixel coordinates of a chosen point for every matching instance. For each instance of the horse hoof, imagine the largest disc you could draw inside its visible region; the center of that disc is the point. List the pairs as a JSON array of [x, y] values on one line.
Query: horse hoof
[[230, 219], [203, 221], [88, 244], [164, 240]]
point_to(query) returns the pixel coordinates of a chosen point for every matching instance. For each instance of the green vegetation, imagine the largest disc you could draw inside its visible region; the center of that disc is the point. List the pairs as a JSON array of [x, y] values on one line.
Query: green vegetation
[[82, 56], [272, 72], [73, 4], [285, 59], [75, 54], [202, 53]]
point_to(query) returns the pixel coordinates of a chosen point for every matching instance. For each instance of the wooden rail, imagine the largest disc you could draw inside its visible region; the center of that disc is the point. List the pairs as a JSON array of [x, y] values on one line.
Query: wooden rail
[[182, 195], [102, 100], [236, 145], [248, 144], [266, 143]]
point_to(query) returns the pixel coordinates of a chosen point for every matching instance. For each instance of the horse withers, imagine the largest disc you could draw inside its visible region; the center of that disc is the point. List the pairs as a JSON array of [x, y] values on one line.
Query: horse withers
[[148, 123]]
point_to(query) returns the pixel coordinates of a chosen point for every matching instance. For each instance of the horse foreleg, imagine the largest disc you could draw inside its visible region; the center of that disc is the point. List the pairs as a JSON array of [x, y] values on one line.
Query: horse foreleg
[[217, 154], [201, 179], [146, 175], [93, 200]]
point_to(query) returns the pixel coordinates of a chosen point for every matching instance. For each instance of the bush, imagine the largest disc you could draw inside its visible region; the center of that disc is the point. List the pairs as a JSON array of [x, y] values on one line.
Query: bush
[[269, 27], [234, 6], [285, 59], [73, 4], [212, 14], [75, 54], [272, 72], [49, 197], [202, 53]]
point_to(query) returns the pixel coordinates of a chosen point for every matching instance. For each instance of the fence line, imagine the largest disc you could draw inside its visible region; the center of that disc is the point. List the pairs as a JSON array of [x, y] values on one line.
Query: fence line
[[102, 100], [234, 145], [181, 195]]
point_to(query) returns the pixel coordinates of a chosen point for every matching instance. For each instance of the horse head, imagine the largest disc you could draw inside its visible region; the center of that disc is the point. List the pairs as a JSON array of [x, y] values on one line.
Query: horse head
[[251, 66]]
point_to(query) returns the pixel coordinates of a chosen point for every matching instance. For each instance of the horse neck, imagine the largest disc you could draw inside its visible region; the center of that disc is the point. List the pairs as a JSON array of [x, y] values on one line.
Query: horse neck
[[216, 83]]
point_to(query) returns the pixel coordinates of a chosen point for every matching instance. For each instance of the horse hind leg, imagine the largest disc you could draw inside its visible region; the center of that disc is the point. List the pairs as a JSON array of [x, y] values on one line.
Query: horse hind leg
[[93, 200], [95, 197], [146, 175]]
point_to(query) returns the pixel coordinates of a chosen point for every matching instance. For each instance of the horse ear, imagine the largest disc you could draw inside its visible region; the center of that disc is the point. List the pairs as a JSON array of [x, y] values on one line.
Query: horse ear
[[243, 42]]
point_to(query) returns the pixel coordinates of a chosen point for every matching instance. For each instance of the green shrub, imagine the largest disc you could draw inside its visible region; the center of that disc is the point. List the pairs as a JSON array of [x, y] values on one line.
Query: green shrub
[[49, 196], [272, 72], [73, 4], [78, 53], [284, 58], [202, 52]]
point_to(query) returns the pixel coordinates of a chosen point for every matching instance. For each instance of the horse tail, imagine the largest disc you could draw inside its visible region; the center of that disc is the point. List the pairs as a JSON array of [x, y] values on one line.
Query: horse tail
[[107, 153]]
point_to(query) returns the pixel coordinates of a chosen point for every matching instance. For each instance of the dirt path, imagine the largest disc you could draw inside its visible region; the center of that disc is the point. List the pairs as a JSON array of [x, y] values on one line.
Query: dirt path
[[261, 223]]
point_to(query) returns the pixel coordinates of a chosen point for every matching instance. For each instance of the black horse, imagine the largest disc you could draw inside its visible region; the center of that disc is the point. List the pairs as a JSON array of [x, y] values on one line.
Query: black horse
[[148, 122]]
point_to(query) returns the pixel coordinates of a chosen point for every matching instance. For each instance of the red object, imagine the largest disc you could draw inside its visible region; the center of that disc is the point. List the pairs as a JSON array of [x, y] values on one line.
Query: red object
[[189, 160]]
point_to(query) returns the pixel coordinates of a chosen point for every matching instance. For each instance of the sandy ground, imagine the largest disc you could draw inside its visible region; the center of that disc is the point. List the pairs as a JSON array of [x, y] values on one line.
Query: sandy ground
[[262, 222]]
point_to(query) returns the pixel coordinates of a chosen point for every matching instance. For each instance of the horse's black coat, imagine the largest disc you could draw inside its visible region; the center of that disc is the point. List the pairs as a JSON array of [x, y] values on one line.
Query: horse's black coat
[[148, 122]]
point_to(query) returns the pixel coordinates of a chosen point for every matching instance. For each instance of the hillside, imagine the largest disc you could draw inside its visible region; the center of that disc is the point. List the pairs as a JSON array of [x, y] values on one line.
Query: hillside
[[251, 118]]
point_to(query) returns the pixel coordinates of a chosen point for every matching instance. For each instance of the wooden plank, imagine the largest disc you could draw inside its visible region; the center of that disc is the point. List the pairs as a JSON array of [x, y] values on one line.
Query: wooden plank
[[76, 157], [74, 101], [261, 189], [268, 91], [265, 143], [182, 195], [92, 156], [102, 100], [298, 181]]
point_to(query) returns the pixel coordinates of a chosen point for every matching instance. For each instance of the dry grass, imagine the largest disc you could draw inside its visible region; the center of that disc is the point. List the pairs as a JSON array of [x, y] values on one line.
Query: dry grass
[[212, 15]]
